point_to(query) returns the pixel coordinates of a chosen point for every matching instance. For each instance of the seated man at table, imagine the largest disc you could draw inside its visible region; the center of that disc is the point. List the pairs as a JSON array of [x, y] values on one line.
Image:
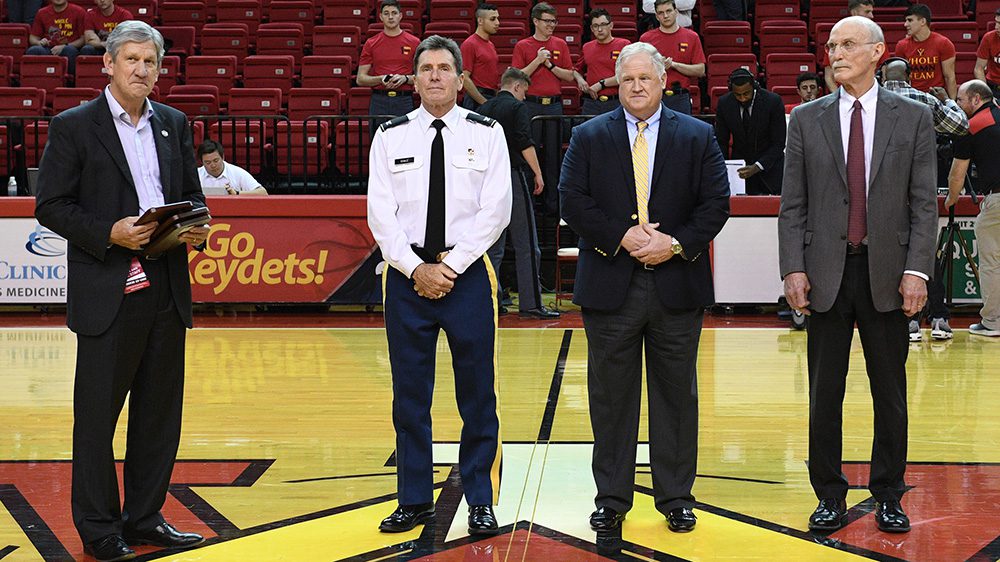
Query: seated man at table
[[215, 172]]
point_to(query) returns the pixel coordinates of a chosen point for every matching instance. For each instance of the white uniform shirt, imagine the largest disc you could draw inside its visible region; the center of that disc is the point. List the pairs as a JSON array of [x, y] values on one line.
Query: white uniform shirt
[[232, 175], [477, 188]]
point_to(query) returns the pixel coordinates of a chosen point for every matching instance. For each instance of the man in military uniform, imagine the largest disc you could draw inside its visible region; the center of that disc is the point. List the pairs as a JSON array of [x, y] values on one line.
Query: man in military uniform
[[437, 278]]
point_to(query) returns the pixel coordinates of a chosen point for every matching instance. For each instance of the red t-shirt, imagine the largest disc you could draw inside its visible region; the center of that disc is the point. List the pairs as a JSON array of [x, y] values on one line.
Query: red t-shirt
[[103, 25], [543, 82], [989, 49], [479, 57], [925, 59], [598, 61], [683, 46], [389, 55], [59, 28]]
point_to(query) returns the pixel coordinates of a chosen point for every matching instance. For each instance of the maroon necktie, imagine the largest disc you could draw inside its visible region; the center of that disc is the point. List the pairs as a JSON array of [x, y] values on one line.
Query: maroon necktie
[[857, 221]]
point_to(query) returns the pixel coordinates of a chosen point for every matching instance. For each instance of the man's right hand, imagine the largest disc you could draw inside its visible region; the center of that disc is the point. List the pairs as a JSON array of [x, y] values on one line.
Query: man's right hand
[[433, 280], [124, 233], [636, 237], [797, 291], [543, 55]]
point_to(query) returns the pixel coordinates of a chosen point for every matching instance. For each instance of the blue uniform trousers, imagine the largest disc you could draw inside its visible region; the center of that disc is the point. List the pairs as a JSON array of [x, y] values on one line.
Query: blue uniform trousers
[[468, 317]]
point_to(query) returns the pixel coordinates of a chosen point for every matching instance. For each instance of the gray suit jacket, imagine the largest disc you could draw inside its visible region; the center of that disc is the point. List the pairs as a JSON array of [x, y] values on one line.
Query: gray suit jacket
[[902, 201]]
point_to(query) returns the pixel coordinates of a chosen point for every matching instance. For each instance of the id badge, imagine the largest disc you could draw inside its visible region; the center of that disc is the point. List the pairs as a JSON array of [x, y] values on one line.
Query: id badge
[[136, 280]]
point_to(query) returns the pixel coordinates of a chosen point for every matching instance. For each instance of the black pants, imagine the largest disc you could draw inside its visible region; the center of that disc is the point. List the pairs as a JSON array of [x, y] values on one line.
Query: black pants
[[884, 339], [616, 341], [142, 355]]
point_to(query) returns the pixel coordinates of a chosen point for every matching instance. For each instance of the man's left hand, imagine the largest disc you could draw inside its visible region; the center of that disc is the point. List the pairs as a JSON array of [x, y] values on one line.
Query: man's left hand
[[939, 92], [196, 236], [748, 171], [539, 184], [658, 250], [950, 201], [914, 291]]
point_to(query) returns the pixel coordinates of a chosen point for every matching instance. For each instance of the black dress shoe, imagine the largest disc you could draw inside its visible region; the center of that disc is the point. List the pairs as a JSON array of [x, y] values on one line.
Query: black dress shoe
[[540, 312], [606, 519], [830, 515], [482, 521], [407, 517], [110, 548], [164, 535], [681, 519], [890, 517]]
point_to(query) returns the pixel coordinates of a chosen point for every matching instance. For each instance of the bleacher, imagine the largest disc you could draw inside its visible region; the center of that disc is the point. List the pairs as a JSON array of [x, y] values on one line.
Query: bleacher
[[278, 76]]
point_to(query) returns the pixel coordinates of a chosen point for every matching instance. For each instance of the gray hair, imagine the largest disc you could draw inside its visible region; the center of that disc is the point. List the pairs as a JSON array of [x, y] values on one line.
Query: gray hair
[[638, 48], [979, 88], [438, 43], [134, 31], [874, 31]]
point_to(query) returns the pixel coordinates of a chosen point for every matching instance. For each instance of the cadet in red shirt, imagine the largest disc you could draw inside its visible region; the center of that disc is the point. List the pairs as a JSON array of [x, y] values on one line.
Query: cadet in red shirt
[[865, 9], [58, 30], [685, 59], [480, 62], [100, 22], [595, 71], [988, 58], [386, 65], [931, 55], [546, 60]]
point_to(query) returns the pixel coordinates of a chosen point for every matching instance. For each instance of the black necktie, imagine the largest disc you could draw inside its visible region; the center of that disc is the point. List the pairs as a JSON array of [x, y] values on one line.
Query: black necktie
[[746, 117], [434, 235]]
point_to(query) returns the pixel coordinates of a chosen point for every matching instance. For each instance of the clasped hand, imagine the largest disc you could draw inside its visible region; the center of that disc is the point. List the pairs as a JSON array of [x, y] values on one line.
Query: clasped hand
[[648, 245], [433, 280]]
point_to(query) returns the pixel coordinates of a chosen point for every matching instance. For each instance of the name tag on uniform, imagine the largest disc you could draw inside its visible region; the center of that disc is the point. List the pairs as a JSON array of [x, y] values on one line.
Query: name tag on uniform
[[405, 163], [408, 160]]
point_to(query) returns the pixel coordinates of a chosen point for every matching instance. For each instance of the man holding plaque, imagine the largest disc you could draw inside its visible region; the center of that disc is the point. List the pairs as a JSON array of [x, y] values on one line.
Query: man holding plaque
[[106, 163]]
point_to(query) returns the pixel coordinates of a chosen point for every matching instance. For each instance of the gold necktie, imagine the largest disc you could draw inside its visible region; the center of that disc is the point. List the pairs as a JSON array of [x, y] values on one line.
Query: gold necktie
[[640, 168]]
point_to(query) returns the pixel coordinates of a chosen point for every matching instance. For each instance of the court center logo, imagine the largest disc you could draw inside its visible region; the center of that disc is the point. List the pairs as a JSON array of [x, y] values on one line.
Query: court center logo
[[45, 243]]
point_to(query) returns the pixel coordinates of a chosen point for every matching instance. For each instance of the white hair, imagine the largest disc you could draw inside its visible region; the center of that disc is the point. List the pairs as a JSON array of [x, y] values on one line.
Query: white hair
[[638, 48], [874, 31]]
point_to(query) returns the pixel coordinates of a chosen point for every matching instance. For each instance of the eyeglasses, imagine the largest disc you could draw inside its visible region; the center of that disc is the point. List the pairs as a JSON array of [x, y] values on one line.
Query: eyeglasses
[[548, 21], [847, 47], [600, 25]]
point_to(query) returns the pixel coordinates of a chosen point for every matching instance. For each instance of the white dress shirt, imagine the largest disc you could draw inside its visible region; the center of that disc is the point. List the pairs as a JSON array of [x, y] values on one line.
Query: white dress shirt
[[140, 151], [232, 176], [477, 188]]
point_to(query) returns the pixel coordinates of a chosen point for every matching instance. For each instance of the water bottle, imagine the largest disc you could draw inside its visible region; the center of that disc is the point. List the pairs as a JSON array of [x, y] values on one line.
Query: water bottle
[[12, 187]]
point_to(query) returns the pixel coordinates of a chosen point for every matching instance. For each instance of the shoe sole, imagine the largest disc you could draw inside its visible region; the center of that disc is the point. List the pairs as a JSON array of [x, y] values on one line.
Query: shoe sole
[[984, 334], [680, 529], [815, 527], [484, 532], [423, 519], [894, 529], [151, 543], [119, 559], [942, 336], [916, 337]]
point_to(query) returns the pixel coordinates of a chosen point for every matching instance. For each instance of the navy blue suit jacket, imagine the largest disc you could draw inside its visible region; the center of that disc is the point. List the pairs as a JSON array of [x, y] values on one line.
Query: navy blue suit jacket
[[689, 197]]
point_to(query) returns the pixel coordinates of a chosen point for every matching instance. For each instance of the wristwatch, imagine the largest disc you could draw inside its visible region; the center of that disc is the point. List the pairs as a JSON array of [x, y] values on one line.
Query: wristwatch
[[601, 82], [676, 247], [549, 65]]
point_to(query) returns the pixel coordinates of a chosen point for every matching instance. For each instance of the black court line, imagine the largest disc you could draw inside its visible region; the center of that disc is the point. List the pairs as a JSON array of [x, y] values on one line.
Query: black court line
[[32, 525], [545, 431], [7, 550], [343, 477], [988, 553], [719, 477]]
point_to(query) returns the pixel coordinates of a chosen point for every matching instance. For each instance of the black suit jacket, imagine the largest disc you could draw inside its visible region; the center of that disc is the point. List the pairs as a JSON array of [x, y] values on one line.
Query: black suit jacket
[[84, 187], [689, 197], [764, 142]]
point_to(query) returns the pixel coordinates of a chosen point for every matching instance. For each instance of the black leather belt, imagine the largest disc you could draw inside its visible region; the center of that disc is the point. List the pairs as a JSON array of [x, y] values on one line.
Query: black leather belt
[[544, 100], [857, 250], [428, 256], [392, 93]]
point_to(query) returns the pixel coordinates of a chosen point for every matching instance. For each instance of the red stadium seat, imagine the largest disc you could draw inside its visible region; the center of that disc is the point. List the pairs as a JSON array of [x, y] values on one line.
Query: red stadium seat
[[302, 148], [226, 39], [243, 142], [573, 35], [186, 13], [353, 141], [218, 71], [620, 10], [775, 11], [338, 12], [22, 102], [782, 69], [327, 72], [14, 41], [789, 94], [68, 98], [720, 66], [453, 10], [142, 10], [182, 38], [36, 134], [506, 38], [6, 157], [90, 72], [359, 100], [513, 10], [964, 64], [305, 102], [193, 105], [726, 37], [964, 34], [43, 71], [241, 11], [255, 101], [783, 36], [6, 69], [269, 71], [275, 40], [454, 30], [170, 72], [337, 40], [297, 11]]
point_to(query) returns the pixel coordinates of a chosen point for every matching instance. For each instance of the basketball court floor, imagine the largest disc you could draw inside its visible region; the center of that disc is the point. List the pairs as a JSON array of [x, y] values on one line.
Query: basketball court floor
[[287, 450]]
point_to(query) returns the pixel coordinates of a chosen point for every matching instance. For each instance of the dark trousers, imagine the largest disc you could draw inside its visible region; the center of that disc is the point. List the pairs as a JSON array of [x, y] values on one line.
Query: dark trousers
[[615, 341], [468, 317], [389, 105], [470, 104], [22, 11], [885, 342], [548, 143], [591, 106], [142, 355], [729, 9], [524, 238], [69, 51]]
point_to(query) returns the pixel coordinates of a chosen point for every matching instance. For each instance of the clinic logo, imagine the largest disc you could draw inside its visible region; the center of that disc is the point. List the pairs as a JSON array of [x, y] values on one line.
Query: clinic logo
[[43, 242]]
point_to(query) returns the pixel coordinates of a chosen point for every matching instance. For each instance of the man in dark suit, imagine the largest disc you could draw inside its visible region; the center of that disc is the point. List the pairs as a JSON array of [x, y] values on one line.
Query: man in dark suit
[[105, 163], [856, 234], [646, 190], [750, 125]]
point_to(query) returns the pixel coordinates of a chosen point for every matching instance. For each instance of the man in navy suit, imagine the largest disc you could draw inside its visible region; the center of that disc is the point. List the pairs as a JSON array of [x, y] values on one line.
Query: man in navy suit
[[646, 190]]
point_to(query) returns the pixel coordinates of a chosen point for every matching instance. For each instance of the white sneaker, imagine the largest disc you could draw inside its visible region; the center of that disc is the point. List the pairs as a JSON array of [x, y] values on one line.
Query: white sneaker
[[915, 331], [940, 330], [980, 330]]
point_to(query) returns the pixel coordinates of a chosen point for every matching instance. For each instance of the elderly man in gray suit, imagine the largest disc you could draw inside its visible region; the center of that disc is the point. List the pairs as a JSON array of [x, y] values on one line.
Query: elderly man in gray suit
[[857, 246]]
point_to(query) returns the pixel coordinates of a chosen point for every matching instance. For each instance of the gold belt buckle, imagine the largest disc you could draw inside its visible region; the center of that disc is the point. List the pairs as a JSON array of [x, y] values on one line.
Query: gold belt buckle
[[603, 98], [391, 93], [546, 101], [440, 257]]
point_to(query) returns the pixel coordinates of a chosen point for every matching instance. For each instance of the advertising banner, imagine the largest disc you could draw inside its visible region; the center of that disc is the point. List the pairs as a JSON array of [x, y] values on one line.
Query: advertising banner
[[32, 263]]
